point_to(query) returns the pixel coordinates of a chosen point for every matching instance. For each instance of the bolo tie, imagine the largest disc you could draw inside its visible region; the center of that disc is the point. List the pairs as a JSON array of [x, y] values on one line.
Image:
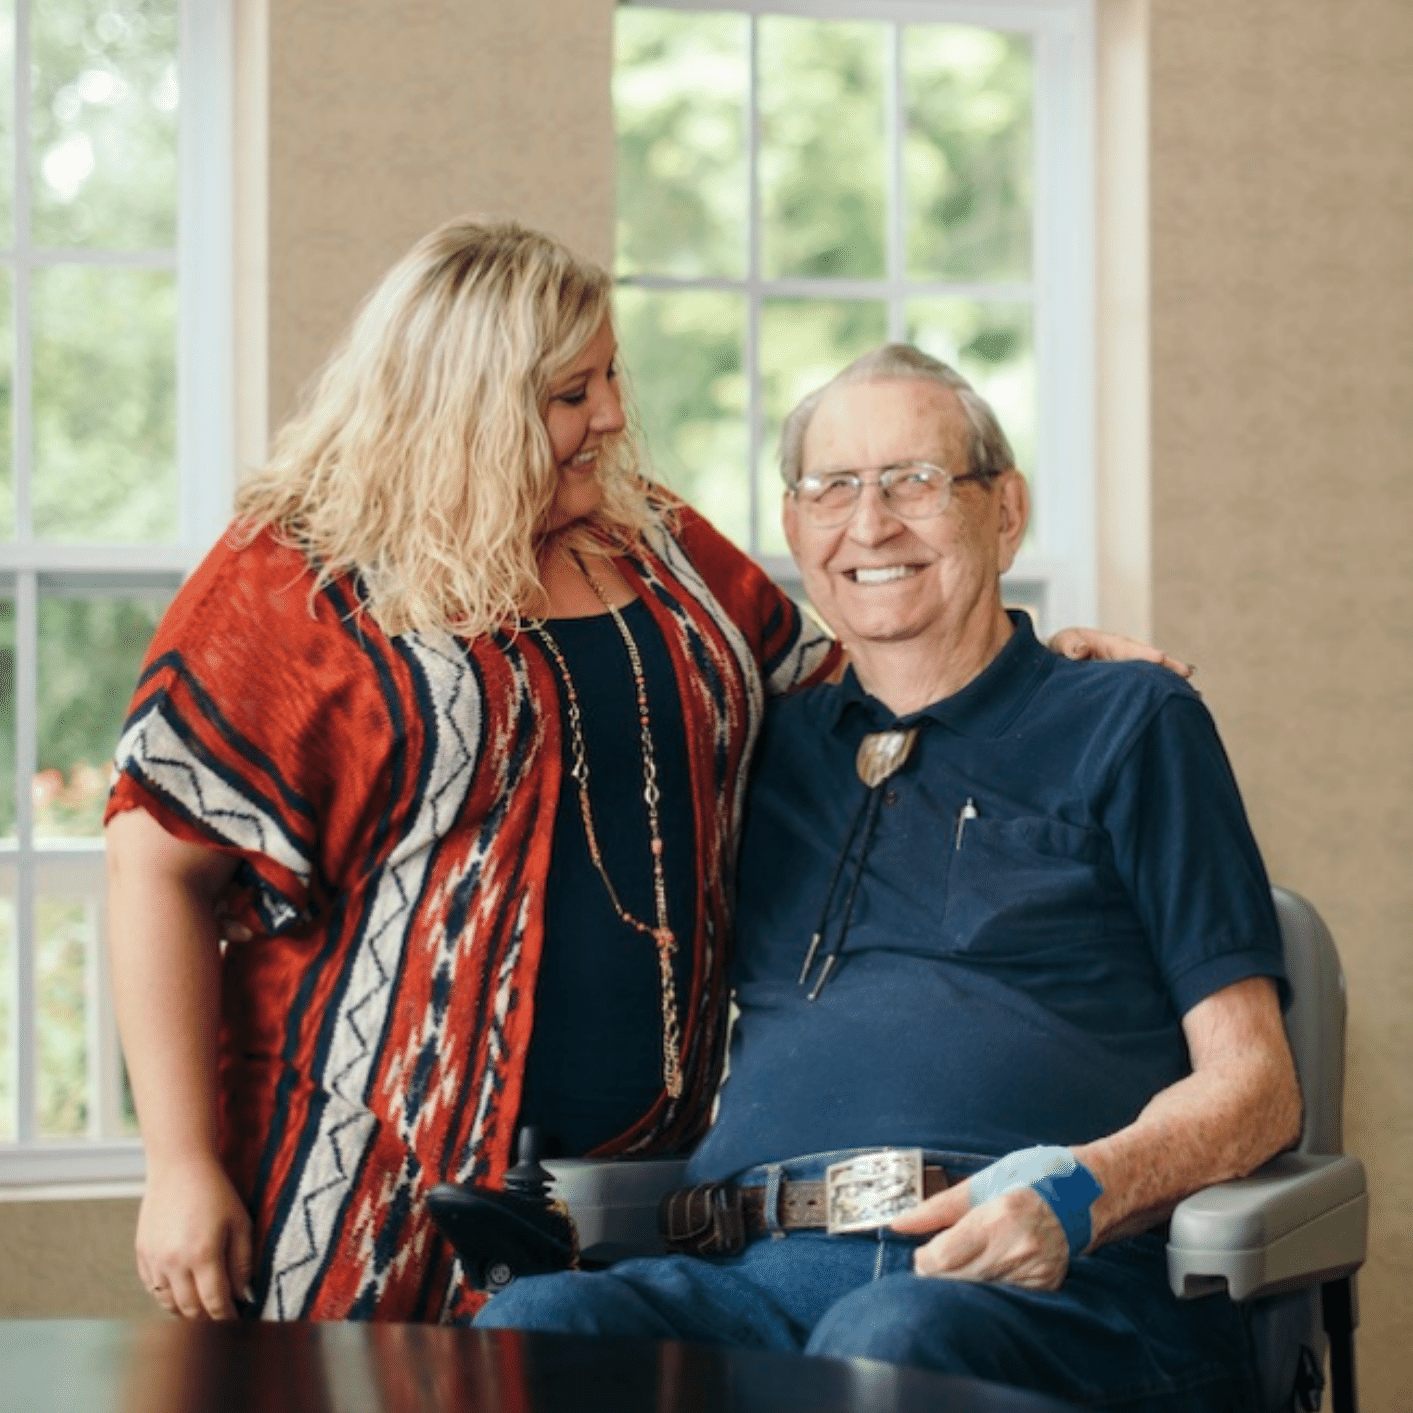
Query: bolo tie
[[881, 755]]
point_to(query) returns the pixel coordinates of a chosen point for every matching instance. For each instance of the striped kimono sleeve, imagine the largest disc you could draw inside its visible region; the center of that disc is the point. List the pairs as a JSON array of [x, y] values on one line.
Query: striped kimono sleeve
[[250, 720], [791, 649]]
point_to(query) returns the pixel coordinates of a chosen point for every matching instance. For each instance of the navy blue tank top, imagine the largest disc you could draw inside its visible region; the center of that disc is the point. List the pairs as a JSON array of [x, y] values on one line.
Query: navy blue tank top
[[595, 1062]]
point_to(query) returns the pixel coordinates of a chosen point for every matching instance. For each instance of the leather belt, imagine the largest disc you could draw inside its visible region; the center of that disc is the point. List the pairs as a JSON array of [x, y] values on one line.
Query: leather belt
[[802, 1204], [719, 1218]]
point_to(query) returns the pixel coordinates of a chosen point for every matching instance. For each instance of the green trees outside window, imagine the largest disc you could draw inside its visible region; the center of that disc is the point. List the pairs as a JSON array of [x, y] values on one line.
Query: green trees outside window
[[88, 478], [889, 194]]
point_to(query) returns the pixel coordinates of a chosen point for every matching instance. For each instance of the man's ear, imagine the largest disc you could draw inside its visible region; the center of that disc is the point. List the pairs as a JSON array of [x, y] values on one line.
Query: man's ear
[[1012, 515]]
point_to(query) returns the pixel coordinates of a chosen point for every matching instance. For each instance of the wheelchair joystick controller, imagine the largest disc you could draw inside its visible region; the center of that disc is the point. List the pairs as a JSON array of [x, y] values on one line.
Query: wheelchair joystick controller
[[520, 1231], [529, 1177]]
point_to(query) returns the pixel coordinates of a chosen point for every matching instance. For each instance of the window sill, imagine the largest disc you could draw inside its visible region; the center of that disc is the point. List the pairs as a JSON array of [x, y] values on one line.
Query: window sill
[[35, 1172], [72, 1192]]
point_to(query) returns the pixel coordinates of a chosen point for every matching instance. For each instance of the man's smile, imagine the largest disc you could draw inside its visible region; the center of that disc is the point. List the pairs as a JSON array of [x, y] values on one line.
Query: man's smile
[[884, 574]]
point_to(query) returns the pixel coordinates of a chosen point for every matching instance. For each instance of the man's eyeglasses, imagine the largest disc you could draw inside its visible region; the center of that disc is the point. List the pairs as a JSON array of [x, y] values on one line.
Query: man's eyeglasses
[[914, 490]]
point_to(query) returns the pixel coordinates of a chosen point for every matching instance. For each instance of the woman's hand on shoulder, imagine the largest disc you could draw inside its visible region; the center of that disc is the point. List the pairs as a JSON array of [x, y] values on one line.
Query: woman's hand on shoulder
[[1094, 645], [193, 1239]]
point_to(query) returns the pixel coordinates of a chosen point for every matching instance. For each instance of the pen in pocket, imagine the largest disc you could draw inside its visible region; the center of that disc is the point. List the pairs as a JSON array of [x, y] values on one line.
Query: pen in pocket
[[967, 811]]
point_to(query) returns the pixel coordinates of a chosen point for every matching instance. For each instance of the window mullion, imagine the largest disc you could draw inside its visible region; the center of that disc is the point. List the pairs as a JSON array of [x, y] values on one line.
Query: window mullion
[[205, 260], [751, 352], [840, 287], [26, 987], [26, 994], [40, 256], [896, 122], [21, 405]]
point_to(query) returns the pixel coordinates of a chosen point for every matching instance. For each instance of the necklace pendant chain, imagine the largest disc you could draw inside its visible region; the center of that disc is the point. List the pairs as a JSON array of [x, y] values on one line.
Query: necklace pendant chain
[[663, 937]]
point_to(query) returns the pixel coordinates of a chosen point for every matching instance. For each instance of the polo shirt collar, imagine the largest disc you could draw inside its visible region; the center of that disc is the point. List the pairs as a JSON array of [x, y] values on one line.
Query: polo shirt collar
[[985, 707]]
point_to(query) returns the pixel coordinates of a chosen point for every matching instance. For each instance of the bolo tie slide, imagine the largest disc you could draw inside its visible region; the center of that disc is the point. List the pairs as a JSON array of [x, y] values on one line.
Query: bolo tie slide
[[881, 755]]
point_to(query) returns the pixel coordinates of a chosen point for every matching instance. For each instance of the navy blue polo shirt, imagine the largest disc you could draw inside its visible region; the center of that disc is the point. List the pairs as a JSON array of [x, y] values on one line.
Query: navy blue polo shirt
[[1020, 979]]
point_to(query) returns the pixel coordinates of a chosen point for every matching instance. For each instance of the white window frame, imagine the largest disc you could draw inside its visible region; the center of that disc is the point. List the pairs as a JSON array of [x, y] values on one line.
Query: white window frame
[[203, 260], [1058, 572]]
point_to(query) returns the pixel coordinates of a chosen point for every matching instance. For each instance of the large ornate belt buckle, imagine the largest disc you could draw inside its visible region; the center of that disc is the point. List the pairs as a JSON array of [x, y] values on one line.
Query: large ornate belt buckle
[[869, 1191]]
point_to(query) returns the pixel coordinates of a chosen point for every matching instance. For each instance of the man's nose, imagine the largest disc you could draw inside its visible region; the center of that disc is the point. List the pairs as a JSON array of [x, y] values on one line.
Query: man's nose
[[873, 520]]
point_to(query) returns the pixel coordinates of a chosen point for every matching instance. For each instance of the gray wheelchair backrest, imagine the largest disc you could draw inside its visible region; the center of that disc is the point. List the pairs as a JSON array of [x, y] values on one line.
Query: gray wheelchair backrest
[[1315, 1020]]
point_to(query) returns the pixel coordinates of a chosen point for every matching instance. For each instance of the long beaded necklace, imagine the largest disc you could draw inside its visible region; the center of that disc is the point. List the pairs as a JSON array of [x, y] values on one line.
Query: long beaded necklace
[[662, 935]]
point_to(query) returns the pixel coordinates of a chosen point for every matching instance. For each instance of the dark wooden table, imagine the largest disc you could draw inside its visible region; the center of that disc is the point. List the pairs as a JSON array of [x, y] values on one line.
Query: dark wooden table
[[166, 1366]]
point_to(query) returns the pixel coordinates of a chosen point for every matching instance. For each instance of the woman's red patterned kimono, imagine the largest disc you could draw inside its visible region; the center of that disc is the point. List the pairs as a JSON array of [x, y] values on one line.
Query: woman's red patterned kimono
[[392, 801]]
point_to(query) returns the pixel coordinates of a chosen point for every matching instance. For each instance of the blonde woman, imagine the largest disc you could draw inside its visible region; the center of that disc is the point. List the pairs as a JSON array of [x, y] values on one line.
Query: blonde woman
[[454, 726], [448, 584]]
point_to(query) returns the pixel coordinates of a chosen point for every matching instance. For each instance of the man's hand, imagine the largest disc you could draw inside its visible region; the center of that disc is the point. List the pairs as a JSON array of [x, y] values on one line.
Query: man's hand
[[1014, 1239], [193, 1240], [1091, 644]]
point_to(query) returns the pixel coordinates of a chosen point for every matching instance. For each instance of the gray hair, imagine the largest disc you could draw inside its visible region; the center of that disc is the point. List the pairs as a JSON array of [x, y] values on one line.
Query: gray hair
[[989, 452]]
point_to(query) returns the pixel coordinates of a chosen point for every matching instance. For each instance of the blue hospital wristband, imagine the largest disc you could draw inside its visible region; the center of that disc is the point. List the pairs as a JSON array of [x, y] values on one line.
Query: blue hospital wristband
[[1065, 1185]]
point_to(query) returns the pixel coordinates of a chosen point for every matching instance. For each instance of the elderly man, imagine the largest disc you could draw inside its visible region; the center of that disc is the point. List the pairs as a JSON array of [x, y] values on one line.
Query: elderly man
[[995, 906]]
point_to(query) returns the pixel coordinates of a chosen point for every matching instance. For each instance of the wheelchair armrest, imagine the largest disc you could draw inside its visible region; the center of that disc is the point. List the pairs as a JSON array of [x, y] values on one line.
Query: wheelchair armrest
[[1300, 1220], [614, 1202]]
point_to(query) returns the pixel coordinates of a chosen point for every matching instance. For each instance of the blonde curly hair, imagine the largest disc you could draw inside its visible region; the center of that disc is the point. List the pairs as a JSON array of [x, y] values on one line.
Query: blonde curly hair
[[419, 461]]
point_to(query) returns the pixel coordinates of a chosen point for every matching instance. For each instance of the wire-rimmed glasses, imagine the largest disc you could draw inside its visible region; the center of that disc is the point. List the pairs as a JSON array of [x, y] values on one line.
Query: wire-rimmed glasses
[[914, 490]]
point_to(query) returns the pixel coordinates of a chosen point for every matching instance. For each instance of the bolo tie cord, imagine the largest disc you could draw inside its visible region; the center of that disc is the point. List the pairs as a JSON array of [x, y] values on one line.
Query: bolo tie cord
[[868, 813]]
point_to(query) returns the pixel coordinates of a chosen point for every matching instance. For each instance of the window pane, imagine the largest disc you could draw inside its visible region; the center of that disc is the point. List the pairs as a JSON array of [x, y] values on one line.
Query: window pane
[[992, 345], [67, 937], [1028, 594], [105, 419], [7, 357], [679, 96], [7, 121], [7, 1007], [804, 343], [968, 153], [682, 352], [90, 652], [105, 123], [822, 156], [7, 719], [128, 1125]]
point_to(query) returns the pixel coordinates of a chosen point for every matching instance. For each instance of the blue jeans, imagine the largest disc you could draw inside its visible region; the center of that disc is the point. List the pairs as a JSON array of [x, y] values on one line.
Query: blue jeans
[[1114, 1336]]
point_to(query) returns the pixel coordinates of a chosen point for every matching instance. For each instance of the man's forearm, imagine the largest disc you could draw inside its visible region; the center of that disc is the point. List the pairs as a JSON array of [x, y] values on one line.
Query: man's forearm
[[1239, 1107]]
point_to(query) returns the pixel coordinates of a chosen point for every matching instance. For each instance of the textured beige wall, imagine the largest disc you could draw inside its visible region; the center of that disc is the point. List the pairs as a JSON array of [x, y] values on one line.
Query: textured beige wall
[[1282, 315], [1123, 534], [387, 119], [70, 1259]]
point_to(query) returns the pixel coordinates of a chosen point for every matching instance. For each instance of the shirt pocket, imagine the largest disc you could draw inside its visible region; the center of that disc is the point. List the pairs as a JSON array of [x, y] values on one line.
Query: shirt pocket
[[1021, 886]]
